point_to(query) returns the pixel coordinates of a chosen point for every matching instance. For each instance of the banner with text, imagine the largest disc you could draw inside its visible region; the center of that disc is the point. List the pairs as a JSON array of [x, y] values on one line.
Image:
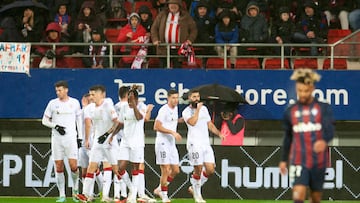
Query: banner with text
[[241, 173], [267, 92], [15, 57]]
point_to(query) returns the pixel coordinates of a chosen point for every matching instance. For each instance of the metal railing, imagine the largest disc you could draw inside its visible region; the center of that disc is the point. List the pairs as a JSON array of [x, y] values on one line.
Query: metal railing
[[329, 50]]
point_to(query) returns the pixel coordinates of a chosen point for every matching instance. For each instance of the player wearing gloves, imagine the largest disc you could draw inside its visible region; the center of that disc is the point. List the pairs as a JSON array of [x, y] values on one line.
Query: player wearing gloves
[[104, 119], [63, 116]]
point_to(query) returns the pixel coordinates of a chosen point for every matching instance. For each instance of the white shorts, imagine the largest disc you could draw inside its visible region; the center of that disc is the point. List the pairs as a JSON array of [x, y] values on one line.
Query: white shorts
[[63, 146], [166, 154], [134, 155], [84, 157], [102, 152], [198, 155]]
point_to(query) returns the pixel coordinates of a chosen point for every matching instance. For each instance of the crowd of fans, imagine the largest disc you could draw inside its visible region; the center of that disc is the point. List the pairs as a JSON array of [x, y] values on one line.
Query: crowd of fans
[[206, 21]]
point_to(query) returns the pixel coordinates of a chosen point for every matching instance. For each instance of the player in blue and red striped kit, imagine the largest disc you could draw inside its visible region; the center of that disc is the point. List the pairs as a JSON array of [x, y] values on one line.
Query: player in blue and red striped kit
[[308, 129]]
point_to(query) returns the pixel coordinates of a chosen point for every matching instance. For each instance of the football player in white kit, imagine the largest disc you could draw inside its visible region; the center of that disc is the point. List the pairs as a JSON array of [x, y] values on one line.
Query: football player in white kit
[[105, 121], [201, 154], [63, 116], [167, 155], [133, 142], [120, 192], [84, 151]]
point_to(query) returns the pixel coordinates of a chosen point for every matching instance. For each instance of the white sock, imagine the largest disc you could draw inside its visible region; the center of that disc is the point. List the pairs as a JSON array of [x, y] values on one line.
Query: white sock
[[99, 181], [75, 179], [125, 177], [107, 182], [123, 188], [203, 178], [141, 183], [89, 185], [135, 183], [60, 182], [117, 187], [196, 183]]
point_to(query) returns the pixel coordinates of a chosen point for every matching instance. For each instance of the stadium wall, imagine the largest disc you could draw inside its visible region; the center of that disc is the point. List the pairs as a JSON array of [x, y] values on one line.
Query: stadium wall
[[241, 173]]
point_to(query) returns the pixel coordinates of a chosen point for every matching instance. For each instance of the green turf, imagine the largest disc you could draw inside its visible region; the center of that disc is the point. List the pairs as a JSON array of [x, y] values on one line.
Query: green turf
[[69, 200]]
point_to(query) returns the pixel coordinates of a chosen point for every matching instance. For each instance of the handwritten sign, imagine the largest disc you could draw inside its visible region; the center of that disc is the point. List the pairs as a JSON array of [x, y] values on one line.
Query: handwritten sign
[[15, 57]]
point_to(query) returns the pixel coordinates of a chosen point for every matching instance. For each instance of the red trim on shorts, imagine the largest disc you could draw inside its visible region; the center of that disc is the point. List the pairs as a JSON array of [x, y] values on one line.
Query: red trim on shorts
[[141, 171]]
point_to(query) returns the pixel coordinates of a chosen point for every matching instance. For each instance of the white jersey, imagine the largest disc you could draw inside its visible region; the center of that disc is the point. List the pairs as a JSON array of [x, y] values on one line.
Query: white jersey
[[86, 112], [169, 120], [199, 133], [102, 116], [133, 129], [118, 106], [64, 113]]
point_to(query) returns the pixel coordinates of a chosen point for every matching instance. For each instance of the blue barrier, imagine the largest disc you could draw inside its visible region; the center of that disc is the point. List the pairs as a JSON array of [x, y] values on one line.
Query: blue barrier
[[268, 92]]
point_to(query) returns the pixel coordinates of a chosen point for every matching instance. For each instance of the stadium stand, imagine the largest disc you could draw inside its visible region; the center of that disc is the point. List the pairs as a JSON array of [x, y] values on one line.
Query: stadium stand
[[275, 63], [216, 63], [247, 63], [340, 64], [311, 63]]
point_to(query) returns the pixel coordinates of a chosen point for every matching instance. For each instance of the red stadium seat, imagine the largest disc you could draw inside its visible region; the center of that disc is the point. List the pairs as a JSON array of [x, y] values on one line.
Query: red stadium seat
[[154, 63], [275, 63], [306, 63], [335, 35], [111, 34], [128, 7], [35, 62], [216, 63], [339, 64], [198, 64], [74, 62], [247, 63]]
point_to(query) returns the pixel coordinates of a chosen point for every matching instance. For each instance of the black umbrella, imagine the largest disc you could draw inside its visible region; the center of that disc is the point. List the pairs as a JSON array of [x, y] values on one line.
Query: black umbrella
[[23, 4], [219, 93]]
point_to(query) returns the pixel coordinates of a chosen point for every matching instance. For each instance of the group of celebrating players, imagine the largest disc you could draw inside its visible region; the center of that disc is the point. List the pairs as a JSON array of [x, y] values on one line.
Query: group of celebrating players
[[113, 135]]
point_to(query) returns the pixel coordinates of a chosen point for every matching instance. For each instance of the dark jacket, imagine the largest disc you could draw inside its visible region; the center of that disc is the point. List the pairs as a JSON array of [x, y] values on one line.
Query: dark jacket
[[206, 24], [91, 20], [285, 30], [11, 33], [316, 23], [146, 24], [253, 29]]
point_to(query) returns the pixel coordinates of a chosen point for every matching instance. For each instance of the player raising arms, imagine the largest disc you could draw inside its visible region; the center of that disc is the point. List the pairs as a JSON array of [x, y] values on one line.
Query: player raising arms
[[308, 130], [63, 116], [167, 155]]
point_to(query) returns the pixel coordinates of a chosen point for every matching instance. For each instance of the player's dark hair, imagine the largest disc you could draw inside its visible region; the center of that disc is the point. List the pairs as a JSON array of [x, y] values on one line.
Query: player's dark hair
[[98, 87], [61, 83], [193, 91], [171, 92], [123, 91], [86, 95], [133, 90]]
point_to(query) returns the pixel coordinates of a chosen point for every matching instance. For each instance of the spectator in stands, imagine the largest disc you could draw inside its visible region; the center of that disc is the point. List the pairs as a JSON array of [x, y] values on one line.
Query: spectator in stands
[[254, 29], [232, 126], [227, 32], [206, 24], [116, 14], [11, 33], [32, 25], [85, 22], [97, 53], [312, 27], [161, 32], [63, 18], [282, 30], [230, 5], [135, 33], [210, 7], [160, 4], [354, 16], [146, 20], [275, 5], [338, 10], [53, 35]]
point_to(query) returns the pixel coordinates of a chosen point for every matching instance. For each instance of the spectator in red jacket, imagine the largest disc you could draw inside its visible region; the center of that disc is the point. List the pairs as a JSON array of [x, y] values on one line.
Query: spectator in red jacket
[[135, 33], [53, 35]]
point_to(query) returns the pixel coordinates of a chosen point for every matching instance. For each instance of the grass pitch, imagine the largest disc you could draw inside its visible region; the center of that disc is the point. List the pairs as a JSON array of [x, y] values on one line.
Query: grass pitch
[[69, 200]]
